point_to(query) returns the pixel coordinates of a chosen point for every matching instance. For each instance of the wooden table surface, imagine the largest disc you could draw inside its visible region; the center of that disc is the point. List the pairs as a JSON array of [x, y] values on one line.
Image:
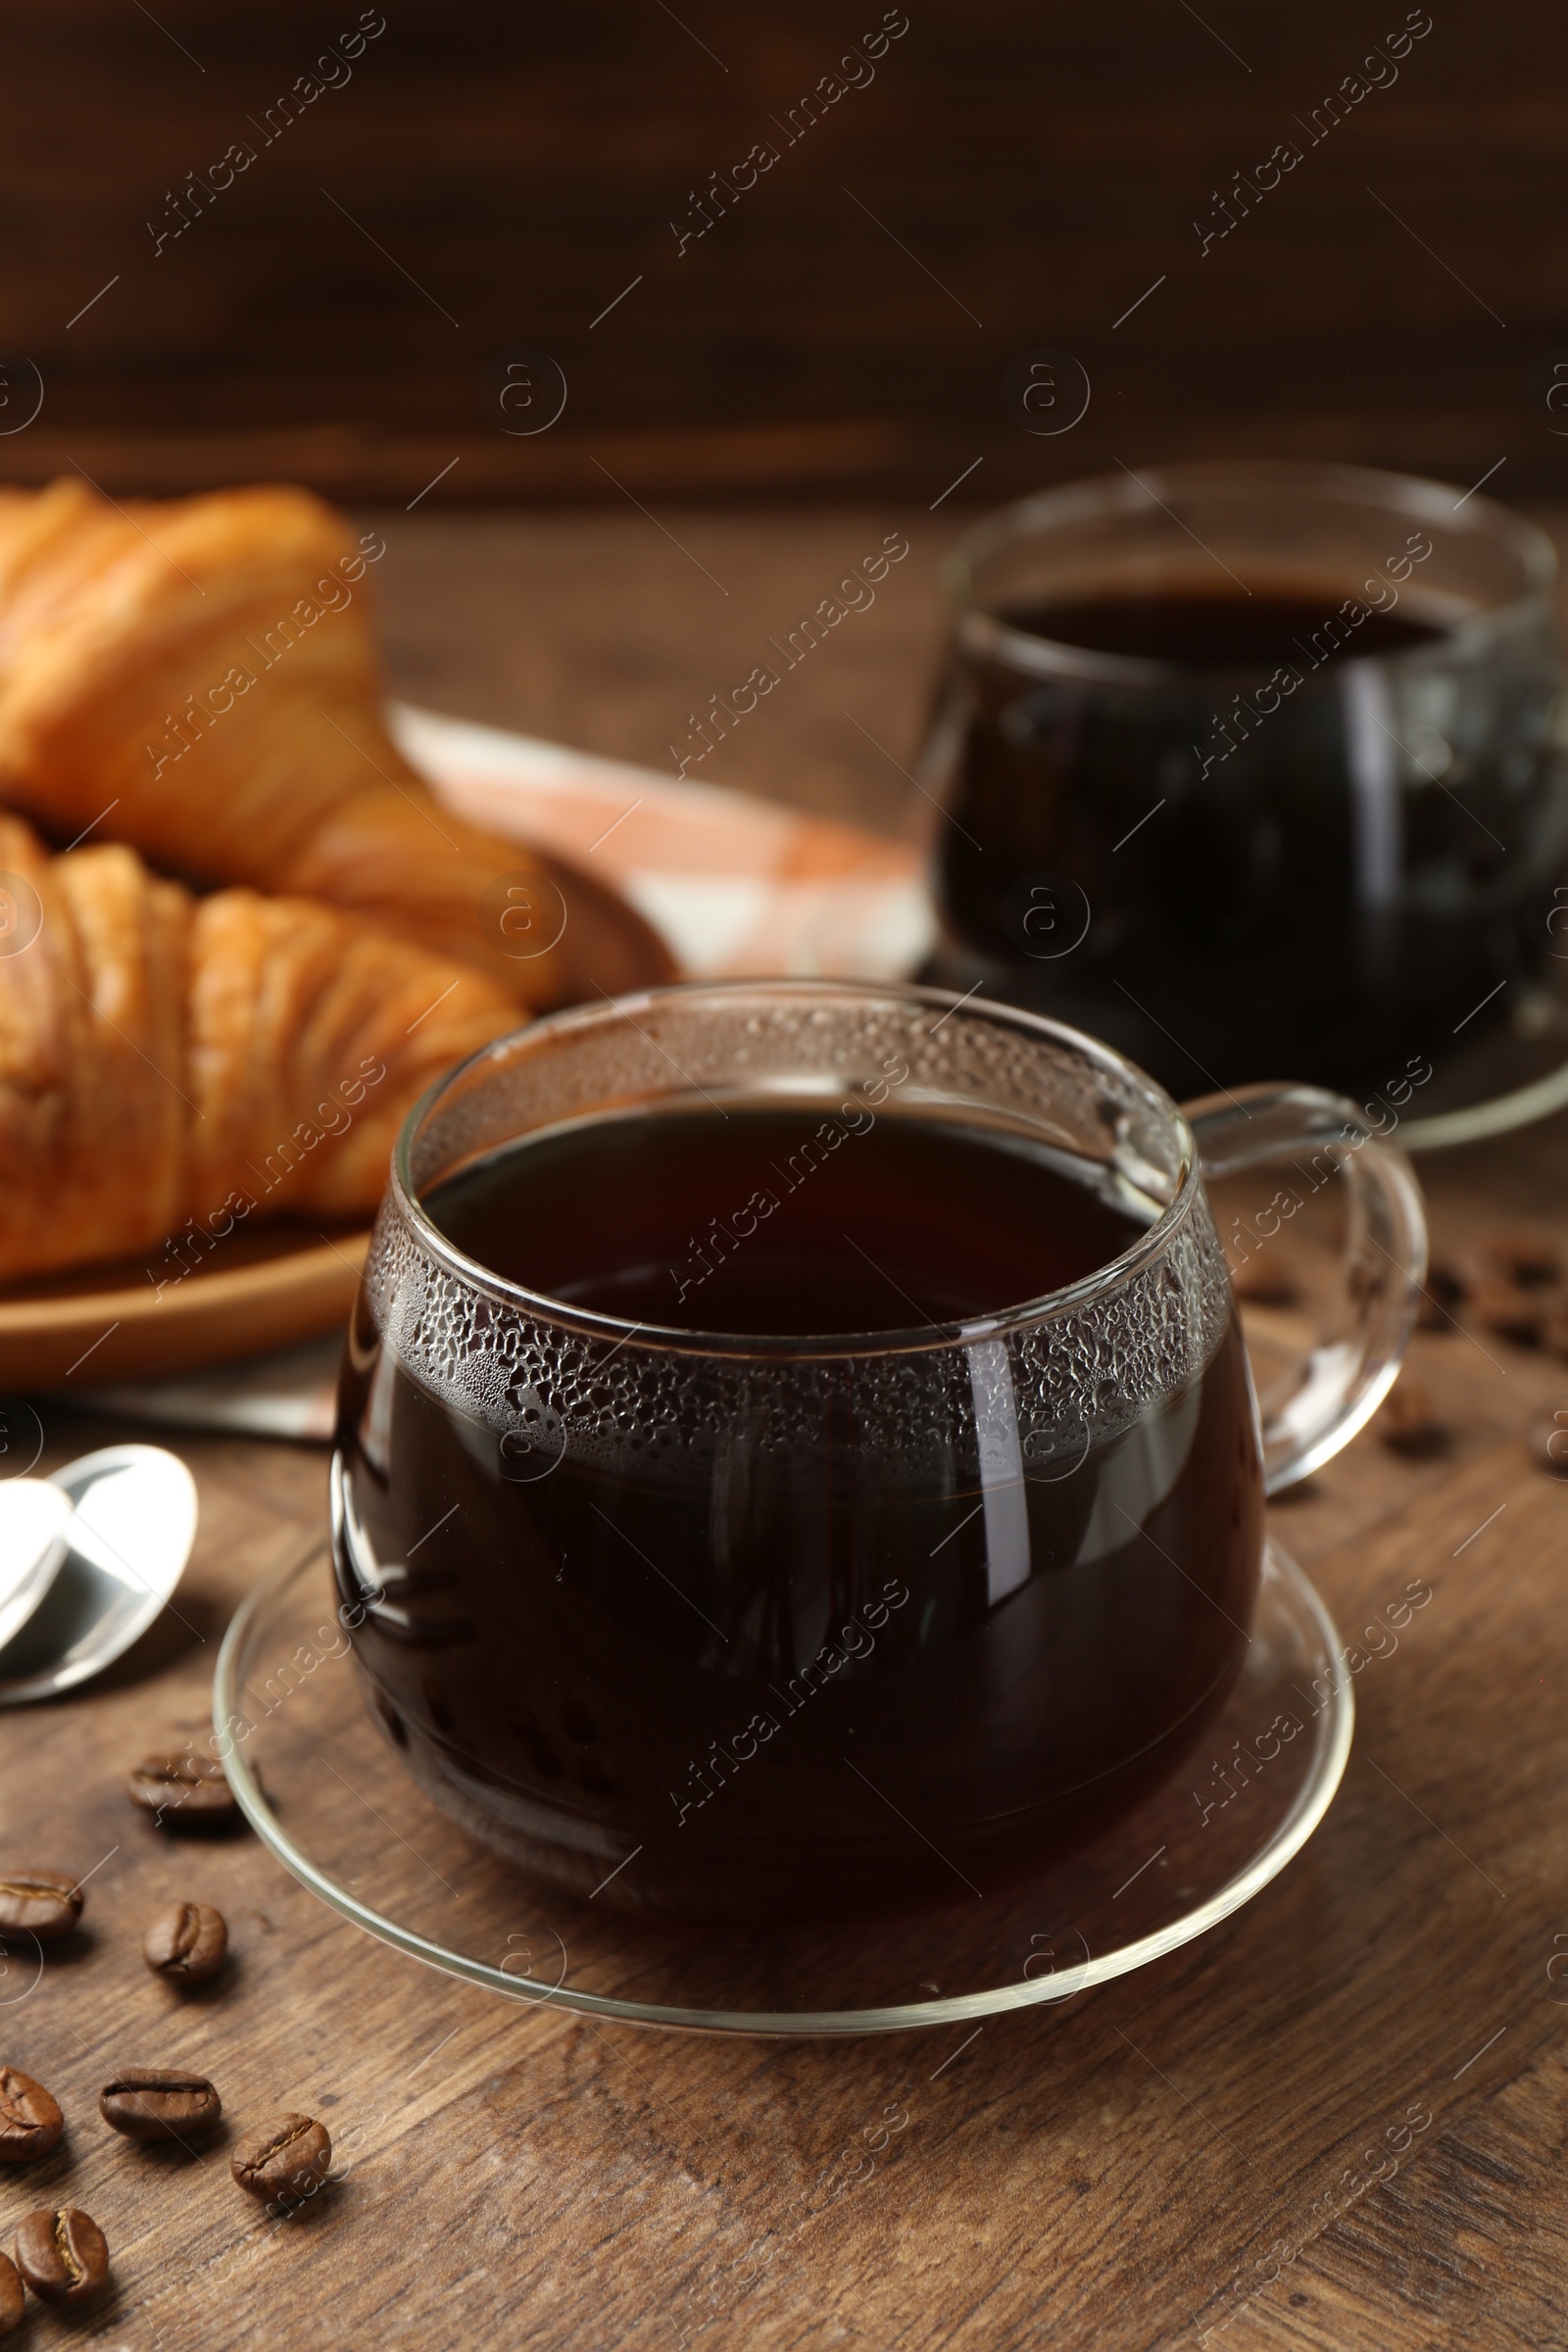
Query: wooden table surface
[[1186, 2150]]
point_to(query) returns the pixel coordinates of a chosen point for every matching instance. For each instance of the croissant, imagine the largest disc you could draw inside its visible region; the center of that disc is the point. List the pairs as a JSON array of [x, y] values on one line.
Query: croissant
[[165, 1059], [199, 675]]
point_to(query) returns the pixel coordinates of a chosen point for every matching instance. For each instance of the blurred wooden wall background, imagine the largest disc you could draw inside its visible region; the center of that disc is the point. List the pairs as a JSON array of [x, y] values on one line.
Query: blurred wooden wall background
[[1008, 175]]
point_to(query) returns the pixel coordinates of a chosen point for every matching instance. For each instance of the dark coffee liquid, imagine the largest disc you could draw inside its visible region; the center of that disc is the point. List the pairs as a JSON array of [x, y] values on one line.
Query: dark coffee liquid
[[1251, 634], [1288, 868], [831, 1659], [764, 1221]]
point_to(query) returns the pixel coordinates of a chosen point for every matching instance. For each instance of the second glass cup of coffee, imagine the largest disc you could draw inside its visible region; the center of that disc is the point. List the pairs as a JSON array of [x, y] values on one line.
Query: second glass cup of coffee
[[797, 1452], [1251, 768]]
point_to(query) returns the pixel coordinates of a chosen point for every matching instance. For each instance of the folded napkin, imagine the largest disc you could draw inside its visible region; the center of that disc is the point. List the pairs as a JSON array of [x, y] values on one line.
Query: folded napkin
[[291, 1394], [739, 887]]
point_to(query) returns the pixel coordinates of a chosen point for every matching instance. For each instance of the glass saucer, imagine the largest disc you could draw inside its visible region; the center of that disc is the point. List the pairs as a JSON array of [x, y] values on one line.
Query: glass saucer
[[324, 1791], [1484, 1081], [1513, 1073]]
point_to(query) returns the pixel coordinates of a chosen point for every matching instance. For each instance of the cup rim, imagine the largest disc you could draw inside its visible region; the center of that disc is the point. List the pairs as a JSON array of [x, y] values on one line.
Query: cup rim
[[1416, 495], [809, 1346]]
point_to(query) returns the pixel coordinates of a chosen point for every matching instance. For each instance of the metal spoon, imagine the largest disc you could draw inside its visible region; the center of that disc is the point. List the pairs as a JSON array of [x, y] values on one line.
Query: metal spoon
[[126, 1542], [34, 1518]]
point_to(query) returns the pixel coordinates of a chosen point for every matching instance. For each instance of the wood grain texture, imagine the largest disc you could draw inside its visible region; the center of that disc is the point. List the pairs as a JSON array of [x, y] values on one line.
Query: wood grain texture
[[1183, 2151], [603, 630], [1012, 178]]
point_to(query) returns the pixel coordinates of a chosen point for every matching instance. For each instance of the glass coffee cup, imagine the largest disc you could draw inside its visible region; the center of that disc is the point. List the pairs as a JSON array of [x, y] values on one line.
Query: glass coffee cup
[[797, 1453], [1253, 766]]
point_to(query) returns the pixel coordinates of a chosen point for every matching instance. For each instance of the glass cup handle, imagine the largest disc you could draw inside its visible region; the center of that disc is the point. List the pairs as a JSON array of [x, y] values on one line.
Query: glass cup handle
[[1354, 1360]]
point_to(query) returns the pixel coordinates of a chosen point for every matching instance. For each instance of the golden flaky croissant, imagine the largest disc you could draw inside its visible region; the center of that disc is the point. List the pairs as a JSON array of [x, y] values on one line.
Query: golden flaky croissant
[[199, 677], [172, 1063]]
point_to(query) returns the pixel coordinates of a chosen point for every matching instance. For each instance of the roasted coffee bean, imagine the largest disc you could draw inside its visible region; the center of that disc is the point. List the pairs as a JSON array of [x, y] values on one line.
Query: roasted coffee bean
[[61, 2255], [187, 1943], [45, 1903], [30, 2122], [1513, 1283], [1554, 1324], [285, 2159], [1512, 1312], [12, 2298], [1411, 1424], [183, 1790], [1441, 1298], [1523, 1257], [156, 2103], [1547, 1435]]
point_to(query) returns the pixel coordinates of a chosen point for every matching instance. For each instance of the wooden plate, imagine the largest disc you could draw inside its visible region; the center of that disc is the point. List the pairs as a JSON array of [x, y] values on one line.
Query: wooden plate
[[106, 1323]]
